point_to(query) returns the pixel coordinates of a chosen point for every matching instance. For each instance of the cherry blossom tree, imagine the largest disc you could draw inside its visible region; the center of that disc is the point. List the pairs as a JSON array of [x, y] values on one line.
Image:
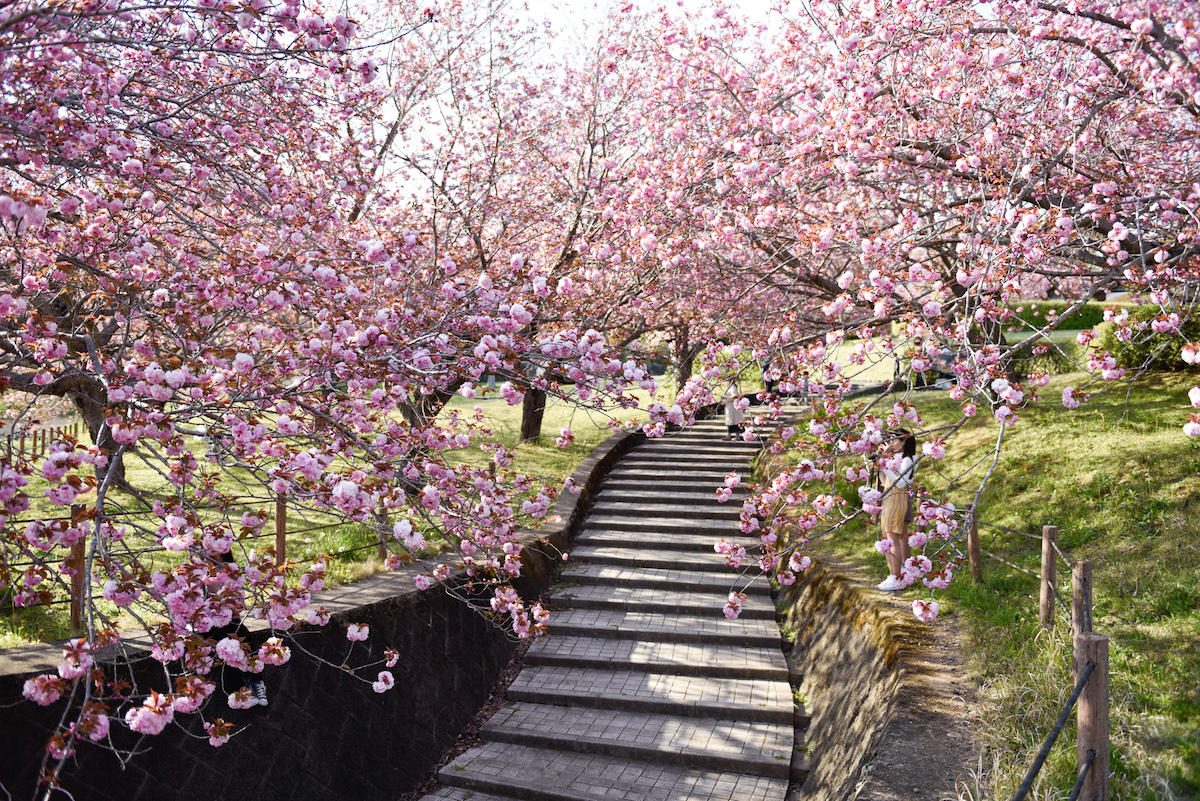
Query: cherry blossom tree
[[203, 252], [508, 150], [893, 177], [259, 255]]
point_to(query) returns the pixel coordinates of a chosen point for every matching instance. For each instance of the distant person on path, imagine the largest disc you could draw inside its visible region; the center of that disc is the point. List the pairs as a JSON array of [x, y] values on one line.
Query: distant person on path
[[896, 463], [733, 412], [768, 374]]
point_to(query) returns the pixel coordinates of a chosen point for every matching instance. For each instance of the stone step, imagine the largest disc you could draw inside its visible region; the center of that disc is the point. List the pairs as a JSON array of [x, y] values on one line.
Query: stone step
[[664, 602], [761, 749], [704, 444], [697, 453], [678, 560], [464, 794], [707, 509], [682, 492], [673, 468], [685, 464], [718, 697], [632, 625], [706, 441], [578, 574], [708, 526], [684, 659], [651, 476], [537, 774], [675, 539]]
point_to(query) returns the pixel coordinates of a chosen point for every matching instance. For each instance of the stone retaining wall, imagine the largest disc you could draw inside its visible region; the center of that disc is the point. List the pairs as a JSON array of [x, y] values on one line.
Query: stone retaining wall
[[326, 734], [887, 715]]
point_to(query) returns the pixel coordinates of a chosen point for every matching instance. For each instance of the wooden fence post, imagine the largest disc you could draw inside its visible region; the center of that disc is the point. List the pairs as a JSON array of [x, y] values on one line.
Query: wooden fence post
[[1081, 597], [974, 555], [280, 530], [22, 444], [1049, 570], [1093, 715], [77, 576], [382, 516]]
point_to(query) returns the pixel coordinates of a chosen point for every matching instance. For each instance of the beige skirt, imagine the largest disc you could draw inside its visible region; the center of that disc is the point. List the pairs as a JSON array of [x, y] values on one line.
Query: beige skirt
[[895, 509]]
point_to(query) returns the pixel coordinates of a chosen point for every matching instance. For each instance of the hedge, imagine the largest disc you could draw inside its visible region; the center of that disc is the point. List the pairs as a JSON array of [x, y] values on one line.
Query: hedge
[[1137, 354], [1033, 313]]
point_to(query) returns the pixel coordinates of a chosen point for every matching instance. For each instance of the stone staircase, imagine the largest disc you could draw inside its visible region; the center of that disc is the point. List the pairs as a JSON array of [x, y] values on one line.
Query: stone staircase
[[642, 689]]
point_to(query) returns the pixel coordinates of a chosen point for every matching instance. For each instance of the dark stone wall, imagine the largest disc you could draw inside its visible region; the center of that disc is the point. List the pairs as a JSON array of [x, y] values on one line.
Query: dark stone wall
[[325, 735], [848, 648]]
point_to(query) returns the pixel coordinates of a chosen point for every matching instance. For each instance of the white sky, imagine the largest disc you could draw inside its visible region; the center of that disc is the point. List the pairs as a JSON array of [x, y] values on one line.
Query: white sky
[[568, 18]]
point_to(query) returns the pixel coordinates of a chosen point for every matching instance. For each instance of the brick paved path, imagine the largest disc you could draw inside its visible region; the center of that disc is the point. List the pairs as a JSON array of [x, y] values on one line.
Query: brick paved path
[[642, 690]]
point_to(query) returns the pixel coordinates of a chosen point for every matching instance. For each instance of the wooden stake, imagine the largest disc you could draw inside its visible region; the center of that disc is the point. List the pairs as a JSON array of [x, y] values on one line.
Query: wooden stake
[[382, 516], [974, 554], [1081, 597], [280, 530], [1049, 570], [1093, 715], [77, 576]]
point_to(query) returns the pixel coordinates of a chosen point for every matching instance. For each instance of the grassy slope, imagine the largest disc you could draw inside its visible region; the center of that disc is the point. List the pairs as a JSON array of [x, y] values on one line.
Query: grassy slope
[[1122, 483]]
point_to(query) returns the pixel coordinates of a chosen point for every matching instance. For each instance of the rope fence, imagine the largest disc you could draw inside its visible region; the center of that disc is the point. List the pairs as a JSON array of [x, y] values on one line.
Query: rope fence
[[1089, 660]]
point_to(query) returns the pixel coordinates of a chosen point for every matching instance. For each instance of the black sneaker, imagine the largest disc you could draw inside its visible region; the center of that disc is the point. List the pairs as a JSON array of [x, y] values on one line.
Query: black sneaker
[[260, 692]]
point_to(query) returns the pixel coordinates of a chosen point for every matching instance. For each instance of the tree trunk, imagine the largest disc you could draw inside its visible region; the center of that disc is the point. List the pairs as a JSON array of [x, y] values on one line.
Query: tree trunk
[[91, 401], [533, 409], [683, 358]]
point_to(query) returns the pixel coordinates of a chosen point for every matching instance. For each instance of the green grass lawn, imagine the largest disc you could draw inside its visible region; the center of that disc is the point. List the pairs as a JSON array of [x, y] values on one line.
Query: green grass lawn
[[1122, 483]]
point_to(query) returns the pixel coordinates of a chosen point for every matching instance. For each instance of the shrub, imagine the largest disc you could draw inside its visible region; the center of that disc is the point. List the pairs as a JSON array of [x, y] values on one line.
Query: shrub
[[1045, 356], [1033, 313], [1155, 351]]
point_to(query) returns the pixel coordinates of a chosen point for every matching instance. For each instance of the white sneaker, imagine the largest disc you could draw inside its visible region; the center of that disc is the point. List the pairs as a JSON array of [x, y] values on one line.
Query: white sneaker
[[890, 584]]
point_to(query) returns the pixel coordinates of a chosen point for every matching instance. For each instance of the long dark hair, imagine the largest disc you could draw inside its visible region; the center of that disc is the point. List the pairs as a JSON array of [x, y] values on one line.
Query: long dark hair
[[910, 442]]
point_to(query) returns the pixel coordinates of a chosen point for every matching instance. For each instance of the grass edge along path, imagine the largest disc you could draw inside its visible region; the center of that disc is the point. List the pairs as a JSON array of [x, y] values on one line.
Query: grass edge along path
[[1122, 483]]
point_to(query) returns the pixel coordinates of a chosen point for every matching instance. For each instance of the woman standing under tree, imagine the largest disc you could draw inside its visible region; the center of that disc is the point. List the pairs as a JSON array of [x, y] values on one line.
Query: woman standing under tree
[[896, 463], [733, 412]]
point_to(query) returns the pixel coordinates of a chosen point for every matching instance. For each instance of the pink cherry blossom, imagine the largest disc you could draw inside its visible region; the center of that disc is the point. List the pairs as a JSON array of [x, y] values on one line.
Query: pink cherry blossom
[[152, 716], [384, 682], [925, 611], [1192, 426], [218, 733], [43, 690], [733, 605]]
